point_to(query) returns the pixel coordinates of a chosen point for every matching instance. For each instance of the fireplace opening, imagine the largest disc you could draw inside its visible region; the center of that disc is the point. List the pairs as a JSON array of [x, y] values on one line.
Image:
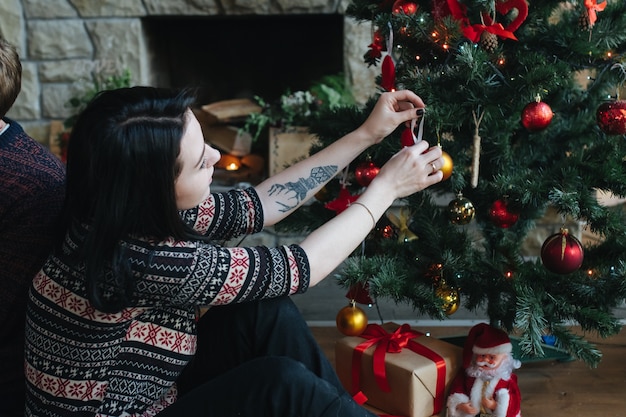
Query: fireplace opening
[[227, 57]]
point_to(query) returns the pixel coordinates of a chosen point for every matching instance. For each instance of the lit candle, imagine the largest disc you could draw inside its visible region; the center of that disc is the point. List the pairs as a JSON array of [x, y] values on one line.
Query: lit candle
[[229, 163], [233, 166]]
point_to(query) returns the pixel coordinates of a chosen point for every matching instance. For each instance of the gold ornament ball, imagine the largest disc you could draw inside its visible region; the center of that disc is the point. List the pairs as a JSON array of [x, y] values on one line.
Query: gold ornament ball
[[351, 320], [447, 167], [461, 211], [450, 297]]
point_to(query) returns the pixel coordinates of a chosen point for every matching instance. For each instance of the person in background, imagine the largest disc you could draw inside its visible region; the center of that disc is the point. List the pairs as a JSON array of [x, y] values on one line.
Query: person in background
[[112, 328], [32, 186]]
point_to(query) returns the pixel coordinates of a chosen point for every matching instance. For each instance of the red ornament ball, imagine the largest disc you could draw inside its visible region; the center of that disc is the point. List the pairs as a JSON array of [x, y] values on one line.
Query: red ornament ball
[[562, 253], [407, 7], [611, 117], [536, 116], [365, 172], [501, 215], [387, 231]]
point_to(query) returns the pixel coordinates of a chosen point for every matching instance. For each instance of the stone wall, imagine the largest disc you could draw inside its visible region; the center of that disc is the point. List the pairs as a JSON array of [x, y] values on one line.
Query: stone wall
[[62, 43]]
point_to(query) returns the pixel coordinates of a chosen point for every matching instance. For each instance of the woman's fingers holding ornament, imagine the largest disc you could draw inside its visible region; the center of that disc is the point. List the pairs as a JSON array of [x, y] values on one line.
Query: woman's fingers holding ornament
[[413, 168]]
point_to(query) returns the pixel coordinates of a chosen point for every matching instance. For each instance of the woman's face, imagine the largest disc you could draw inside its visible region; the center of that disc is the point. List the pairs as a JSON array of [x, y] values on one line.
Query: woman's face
[[197, 160]]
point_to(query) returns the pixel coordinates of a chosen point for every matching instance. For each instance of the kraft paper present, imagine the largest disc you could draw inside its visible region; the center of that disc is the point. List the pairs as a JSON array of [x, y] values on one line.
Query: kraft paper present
[[412, 378]]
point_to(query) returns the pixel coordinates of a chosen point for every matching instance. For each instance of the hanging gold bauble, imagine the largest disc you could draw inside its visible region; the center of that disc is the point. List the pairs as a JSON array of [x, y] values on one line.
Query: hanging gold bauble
[[351, 320], [460, 210], [448, 166], [450, 297]]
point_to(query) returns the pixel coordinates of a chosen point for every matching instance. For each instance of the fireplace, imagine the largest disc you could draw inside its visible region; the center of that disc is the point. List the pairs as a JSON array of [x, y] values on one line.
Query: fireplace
[[229, 49], [229, 57]]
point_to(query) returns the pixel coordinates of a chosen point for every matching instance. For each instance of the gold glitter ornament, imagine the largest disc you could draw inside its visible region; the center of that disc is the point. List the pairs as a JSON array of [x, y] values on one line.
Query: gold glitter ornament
[[461, 210]]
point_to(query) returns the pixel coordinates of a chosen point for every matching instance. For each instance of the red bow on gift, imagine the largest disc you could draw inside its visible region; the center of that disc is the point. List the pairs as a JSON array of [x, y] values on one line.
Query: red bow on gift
[[394, 343]]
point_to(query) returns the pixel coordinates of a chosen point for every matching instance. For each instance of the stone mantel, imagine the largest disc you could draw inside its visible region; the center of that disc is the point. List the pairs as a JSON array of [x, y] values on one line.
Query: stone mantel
[[62, 43]]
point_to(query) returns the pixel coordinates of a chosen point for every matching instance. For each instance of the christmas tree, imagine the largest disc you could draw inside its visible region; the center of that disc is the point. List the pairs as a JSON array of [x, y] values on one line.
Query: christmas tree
[[523, 97]]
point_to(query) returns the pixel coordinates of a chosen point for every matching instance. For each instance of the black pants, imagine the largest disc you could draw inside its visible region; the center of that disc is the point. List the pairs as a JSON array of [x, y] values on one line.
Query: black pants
[[260, 359]]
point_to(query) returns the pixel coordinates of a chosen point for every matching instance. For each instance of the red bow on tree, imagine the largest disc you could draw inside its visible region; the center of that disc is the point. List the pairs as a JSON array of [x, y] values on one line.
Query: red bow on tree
[[342, 202], [592, 8], [473, 32]]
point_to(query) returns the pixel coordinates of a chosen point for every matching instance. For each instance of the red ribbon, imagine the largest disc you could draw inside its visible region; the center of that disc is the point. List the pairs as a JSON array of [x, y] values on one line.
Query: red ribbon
[[592, 8], [394, 343], [473, 32]]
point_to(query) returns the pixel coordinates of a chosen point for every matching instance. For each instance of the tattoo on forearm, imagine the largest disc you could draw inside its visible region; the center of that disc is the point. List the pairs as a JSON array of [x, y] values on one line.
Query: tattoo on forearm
[[291, 194]]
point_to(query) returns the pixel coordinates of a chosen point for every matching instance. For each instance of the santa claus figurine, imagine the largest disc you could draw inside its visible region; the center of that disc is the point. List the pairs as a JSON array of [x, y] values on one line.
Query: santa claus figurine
[[486, 386]]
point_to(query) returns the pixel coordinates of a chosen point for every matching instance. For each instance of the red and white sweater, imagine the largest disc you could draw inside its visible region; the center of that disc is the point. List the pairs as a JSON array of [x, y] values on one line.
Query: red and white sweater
[[84, 362]]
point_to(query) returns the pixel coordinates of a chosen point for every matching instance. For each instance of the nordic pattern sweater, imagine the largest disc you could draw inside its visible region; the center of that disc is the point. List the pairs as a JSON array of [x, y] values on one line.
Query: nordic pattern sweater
[[32, 187], [83, 362]]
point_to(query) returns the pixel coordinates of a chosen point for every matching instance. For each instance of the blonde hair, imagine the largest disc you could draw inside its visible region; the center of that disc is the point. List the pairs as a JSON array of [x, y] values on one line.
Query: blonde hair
[[10, 76]]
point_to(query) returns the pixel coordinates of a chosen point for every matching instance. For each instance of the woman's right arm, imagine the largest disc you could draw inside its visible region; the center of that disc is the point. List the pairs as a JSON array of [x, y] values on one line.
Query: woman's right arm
[[407, 172]]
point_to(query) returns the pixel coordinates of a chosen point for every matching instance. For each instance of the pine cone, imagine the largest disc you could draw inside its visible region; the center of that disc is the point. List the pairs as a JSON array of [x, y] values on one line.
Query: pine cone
[[583, 21], [488, 41]]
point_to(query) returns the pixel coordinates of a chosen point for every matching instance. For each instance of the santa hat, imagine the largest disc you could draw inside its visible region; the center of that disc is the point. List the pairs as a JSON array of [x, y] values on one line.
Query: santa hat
[[485, 339]]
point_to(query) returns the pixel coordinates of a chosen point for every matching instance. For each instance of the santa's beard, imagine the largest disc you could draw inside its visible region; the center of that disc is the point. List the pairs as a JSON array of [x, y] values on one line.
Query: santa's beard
[[504, 371]]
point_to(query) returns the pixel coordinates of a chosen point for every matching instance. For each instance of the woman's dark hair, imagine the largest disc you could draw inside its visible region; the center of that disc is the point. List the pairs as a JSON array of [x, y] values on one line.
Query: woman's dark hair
[[121, 169]]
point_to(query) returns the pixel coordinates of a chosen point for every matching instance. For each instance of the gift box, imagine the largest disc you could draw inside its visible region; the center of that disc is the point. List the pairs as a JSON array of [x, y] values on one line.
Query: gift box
[[397, 369]]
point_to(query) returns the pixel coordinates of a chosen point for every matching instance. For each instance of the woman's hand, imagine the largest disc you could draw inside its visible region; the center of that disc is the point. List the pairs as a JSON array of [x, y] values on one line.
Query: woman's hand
[[410, 170], [391, 110]]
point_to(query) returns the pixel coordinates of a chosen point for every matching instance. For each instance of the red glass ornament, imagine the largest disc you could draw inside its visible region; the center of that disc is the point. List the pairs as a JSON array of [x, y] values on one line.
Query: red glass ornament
[[387, 232], [435, 273], [501, 216], [611, 117], [365, 172], [536, 116], [388, 71], [562, 253], [407, 138], [407, 7]]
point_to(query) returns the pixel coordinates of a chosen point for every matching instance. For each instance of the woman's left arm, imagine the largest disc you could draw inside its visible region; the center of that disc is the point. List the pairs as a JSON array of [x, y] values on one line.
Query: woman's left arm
[[286, 191]]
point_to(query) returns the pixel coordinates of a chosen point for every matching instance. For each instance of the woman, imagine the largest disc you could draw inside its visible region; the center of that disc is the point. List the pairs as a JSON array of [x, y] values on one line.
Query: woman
[[111, 324]]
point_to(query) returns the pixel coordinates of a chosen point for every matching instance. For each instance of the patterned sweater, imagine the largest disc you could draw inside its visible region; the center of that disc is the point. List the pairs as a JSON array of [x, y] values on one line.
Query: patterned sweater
[[32, 189], [83, 362]]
